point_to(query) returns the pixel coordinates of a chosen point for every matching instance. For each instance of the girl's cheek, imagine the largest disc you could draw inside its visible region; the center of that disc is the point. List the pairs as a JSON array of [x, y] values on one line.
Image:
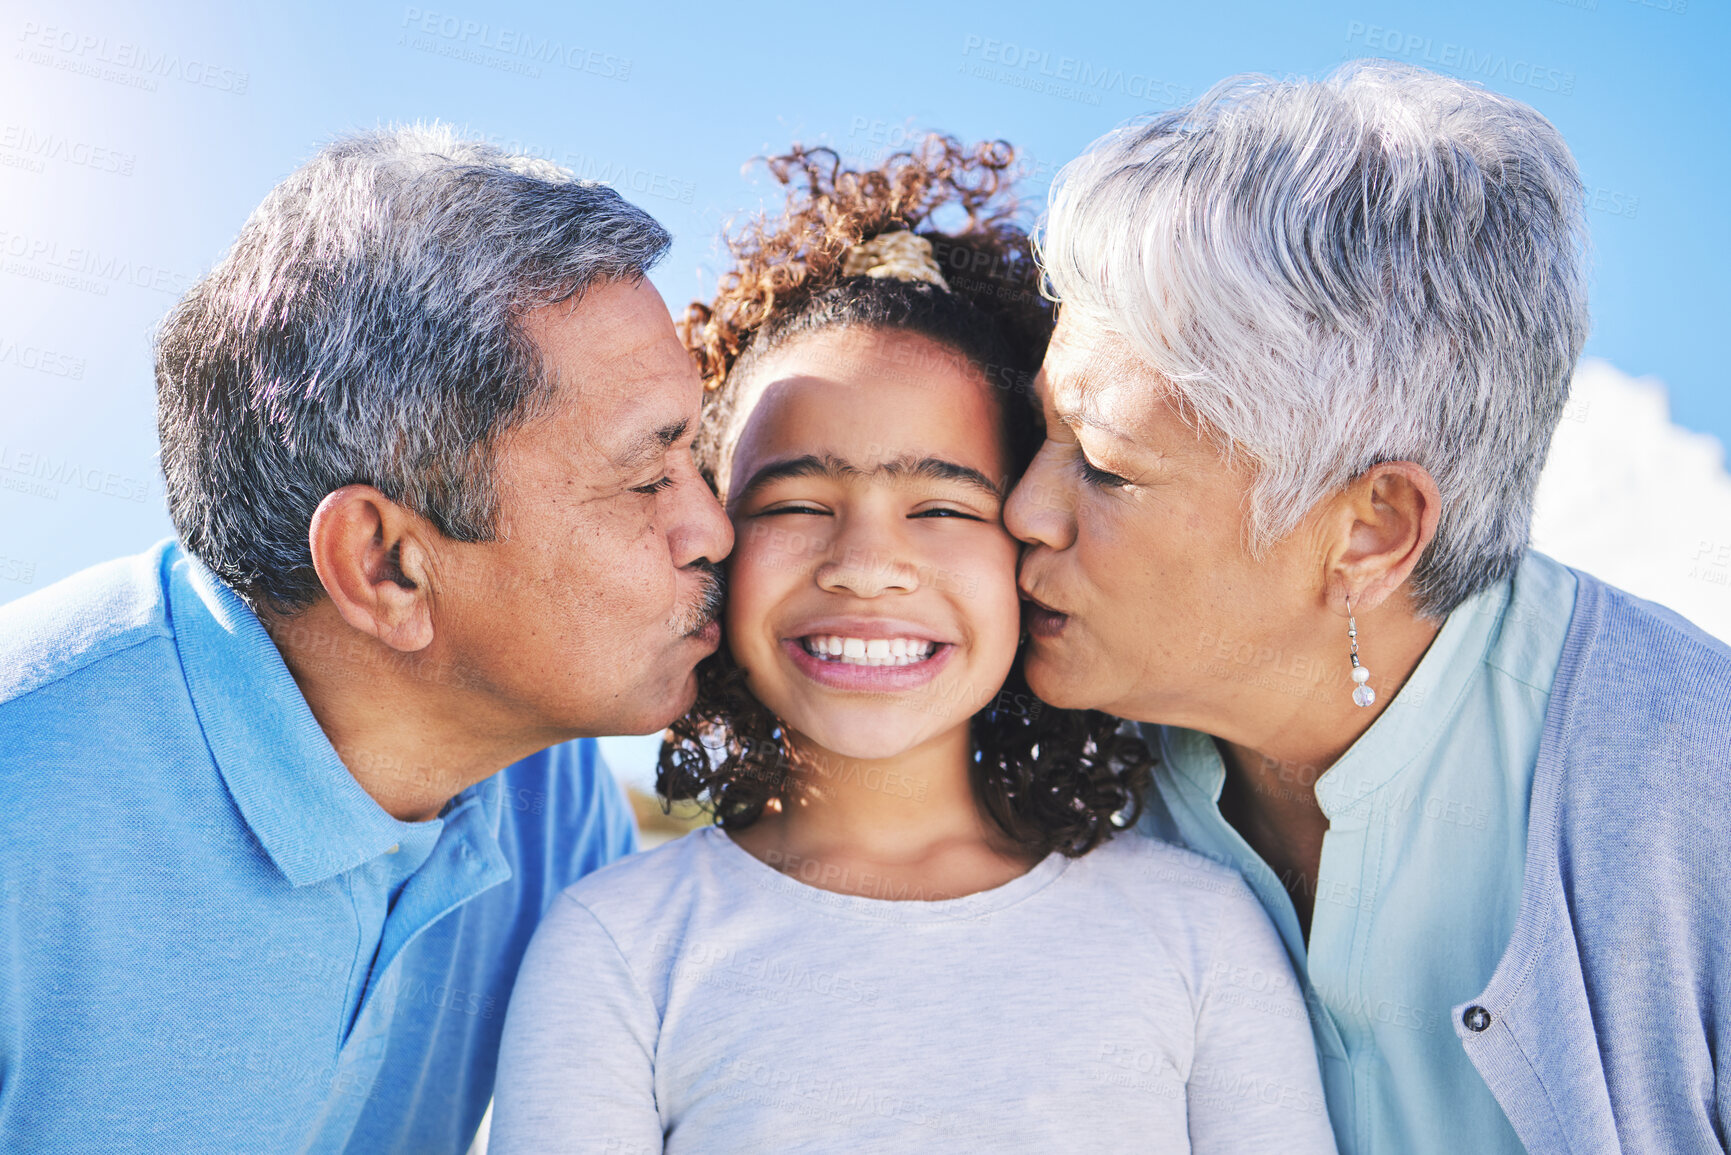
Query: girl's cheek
[[983, 571], [979, 578], [761, 572], [776, 548]]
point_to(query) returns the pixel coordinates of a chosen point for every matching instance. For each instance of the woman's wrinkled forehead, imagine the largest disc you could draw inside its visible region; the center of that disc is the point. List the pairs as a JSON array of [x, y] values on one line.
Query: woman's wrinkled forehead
[[1085, 352], [1093, 374]]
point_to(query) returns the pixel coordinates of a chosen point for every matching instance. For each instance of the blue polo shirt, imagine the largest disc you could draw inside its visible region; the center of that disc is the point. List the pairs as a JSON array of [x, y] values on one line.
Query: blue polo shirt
[[211, 938]]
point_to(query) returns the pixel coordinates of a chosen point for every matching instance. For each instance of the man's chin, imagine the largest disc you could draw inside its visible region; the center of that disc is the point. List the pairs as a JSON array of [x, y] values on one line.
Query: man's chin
[[673, 706], [708, 636], [638, 710]]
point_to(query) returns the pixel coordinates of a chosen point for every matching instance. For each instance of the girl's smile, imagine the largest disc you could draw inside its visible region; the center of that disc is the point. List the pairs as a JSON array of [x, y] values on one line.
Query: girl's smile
[[859, 653], [871, 554]]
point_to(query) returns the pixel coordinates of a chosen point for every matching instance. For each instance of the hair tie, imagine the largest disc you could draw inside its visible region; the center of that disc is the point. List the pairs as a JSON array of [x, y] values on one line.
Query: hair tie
[[900, 256]]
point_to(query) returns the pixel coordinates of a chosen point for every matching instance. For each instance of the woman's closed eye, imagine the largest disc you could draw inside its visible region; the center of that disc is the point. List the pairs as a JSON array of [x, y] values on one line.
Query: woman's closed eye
[[654, 487], [1095, 476]]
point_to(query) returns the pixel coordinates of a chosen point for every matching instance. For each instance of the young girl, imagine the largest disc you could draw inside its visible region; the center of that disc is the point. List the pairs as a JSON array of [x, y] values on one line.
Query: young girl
[[916, 924]]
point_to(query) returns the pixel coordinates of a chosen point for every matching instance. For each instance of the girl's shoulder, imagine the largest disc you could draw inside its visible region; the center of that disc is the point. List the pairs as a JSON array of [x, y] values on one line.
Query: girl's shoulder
[[639, 897], [1130, 854], [658, 873], [1166, 881], [694, 896]]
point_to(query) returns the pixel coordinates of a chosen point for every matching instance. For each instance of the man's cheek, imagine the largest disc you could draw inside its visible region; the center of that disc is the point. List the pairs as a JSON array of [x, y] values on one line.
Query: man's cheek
[[628, 559]]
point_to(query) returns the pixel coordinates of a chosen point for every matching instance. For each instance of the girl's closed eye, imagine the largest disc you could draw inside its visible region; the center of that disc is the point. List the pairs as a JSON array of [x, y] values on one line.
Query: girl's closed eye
[[795, 507]]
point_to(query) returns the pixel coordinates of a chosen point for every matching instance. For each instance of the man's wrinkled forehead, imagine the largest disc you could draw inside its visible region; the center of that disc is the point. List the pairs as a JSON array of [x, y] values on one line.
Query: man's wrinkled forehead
[[643, 442], [632, 429], [628, 386]]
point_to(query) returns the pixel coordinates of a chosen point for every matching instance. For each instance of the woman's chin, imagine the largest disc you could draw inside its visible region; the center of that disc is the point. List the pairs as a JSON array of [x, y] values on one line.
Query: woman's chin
[[1057, 682]]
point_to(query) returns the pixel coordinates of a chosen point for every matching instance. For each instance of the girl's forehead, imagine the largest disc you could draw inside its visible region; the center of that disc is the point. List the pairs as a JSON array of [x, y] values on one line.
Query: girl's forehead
[[873, 401]]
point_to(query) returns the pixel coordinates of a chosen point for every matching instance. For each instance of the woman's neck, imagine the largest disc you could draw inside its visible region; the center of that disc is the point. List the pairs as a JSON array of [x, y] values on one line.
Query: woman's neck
[[904, 827], [1279, 750]]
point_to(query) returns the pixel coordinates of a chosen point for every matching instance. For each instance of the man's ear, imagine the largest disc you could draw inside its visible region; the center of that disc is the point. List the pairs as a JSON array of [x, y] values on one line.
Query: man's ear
[[372, 556], [1379, 525]]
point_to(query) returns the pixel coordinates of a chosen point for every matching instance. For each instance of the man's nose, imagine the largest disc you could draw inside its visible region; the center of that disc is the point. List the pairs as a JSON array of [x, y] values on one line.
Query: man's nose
[[702, 531]]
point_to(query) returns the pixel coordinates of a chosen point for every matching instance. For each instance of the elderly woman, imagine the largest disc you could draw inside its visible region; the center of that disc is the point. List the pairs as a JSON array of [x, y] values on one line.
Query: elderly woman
[[1313, 342]]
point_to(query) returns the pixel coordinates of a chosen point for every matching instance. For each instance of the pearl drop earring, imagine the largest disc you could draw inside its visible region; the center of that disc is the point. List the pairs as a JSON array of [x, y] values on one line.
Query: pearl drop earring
[[1362, 694]]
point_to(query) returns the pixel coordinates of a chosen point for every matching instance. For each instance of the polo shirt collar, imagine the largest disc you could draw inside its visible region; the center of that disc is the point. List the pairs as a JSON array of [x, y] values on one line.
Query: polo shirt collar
[[306, 809]]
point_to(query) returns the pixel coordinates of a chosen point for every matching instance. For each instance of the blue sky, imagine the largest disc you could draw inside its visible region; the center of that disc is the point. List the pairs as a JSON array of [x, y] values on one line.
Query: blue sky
[[135, 139]]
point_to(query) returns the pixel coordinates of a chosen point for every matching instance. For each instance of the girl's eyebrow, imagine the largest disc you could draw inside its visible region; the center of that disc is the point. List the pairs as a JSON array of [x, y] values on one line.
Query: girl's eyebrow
[[900, 468]]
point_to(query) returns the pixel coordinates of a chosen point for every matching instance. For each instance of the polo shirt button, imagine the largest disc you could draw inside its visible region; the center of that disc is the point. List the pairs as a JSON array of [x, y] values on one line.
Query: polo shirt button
[[394, 847], [1475, 1018]]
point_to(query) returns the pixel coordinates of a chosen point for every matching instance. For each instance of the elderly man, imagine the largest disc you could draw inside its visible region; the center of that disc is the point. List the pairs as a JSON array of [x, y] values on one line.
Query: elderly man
[[286, 796], [1313, 342]]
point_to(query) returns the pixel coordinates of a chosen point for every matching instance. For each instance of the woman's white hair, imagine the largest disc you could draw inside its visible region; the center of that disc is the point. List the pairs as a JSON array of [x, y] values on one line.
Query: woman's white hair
[[1383, 265]]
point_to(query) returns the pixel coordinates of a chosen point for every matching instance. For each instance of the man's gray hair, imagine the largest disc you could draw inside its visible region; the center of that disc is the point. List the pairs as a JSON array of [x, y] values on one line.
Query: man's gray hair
[[366, 328], [1384, 265]]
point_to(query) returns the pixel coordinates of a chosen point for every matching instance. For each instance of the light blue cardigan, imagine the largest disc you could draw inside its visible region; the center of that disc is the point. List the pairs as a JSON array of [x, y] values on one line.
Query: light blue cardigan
[[1607, 1023]]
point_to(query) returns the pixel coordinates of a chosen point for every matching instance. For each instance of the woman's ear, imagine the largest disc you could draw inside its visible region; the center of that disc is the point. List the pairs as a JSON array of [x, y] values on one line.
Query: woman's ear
[[1380, 526], [373, 559]]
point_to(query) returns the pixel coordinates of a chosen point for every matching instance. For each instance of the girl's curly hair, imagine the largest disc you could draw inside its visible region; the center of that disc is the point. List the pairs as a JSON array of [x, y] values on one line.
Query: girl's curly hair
[[1050, 779]]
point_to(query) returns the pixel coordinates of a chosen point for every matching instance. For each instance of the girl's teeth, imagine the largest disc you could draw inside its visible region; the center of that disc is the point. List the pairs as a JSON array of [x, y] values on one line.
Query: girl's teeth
[[870, 652]]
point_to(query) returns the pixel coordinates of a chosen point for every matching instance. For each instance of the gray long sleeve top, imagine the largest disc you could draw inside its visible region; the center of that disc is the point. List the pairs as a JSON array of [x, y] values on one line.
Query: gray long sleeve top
[[693, 999]]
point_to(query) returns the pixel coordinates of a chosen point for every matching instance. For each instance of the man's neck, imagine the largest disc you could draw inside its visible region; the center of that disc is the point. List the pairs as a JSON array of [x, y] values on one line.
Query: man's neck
[[407, 726]]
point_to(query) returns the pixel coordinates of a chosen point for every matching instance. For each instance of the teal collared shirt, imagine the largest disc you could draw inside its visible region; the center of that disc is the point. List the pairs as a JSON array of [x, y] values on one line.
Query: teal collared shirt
[[1420, 878], [211, 938]]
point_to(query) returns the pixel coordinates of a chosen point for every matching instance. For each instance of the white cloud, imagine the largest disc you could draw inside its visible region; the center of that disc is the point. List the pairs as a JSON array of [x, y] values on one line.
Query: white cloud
[[1638, 501]]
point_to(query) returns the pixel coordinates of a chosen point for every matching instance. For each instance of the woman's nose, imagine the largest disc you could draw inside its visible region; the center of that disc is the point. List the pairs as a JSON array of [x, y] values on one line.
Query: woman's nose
[[1041, 509]]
